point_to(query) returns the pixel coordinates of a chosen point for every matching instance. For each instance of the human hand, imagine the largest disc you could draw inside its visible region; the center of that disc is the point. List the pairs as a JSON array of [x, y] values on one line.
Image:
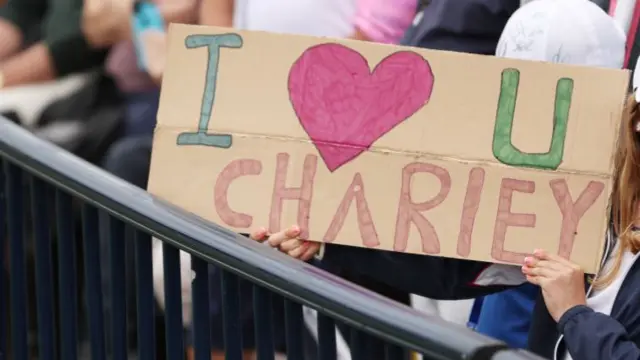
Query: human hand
[[288, 242], [561, 281], [106, 22]]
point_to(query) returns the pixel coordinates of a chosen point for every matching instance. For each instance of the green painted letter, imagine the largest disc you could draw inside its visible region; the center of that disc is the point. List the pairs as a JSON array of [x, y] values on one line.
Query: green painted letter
[[214, 43], [503, 149]]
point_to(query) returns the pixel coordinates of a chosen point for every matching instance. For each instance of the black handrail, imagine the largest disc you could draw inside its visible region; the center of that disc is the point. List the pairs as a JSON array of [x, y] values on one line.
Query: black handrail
[[294, 279]]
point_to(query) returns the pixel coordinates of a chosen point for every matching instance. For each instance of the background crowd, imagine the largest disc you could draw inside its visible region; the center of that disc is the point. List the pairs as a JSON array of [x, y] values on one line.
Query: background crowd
[[82, 75]]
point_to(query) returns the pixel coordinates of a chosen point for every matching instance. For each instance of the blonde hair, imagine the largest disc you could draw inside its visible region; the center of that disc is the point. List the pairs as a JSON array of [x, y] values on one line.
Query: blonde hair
[[625, 194]]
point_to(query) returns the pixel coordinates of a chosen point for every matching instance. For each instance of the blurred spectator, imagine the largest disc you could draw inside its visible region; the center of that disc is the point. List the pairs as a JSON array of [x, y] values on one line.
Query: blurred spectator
[[374, 20], [59, 46], [107, 24], [41, 41]]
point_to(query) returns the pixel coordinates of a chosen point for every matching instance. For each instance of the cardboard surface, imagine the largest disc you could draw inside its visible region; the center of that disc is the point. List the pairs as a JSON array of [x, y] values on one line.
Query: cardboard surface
[[388, 147]]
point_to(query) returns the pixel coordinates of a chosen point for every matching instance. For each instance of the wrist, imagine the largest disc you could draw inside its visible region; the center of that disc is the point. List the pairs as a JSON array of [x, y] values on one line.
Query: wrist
[[1, 79], [570, 315]]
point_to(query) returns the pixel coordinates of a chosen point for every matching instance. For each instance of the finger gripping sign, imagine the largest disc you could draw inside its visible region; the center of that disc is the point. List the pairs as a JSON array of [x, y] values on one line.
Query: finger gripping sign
[[388, 147]]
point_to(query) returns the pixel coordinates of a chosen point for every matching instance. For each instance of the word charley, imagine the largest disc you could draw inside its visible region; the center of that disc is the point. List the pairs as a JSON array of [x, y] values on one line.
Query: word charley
[[409, 212], [385, 78]]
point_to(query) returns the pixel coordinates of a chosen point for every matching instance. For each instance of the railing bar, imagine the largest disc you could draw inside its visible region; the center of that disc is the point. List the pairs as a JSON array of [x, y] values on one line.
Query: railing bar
[[173, 302], [262, 309], [145, 300], [356, 344], [328, 294], [18, 281], [294, 329], [66, 277], [3, 264], [44, 270], [93, 280], [326, 338], [118, 289], [200, 303], [231, 316], [394, 352]]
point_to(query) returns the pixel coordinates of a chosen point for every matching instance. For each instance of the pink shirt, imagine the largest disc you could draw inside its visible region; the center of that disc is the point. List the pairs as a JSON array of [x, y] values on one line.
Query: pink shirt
[[385, 21]]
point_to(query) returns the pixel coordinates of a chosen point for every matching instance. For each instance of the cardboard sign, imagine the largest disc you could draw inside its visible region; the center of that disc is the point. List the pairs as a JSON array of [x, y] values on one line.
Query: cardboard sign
[[388, 147]]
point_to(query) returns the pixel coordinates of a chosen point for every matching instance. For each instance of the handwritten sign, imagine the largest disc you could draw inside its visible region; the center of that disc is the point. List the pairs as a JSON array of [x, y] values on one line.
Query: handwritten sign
[[388, 147]]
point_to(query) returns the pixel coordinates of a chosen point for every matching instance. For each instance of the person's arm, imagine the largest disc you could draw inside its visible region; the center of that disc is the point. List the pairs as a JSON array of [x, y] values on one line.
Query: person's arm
[[383, 21], [183, 11], [62, 51], [30, 66], [17, 17], [10, 40], [591, 335], [106, 23], [216, 13]]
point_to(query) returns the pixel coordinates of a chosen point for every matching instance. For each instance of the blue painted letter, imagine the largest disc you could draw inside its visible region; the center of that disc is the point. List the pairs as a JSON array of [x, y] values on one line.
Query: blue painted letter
[[214, 43]]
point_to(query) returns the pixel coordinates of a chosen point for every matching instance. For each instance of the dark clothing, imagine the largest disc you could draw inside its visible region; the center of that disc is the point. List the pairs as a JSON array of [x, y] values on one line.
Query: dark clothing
[[471, 26], [59, 24], [141, 110]]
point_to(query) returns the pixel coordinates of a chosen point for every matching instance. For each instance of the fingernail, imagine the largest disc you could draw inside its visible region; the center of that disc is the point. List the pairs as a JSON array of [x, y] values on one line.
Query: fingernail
[[527, 260]]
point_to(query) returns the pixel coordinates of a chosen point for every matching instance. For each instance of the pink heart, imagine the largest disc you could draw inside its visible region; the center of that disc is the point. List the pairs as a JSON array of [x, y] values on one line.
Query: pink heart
[[345, 107]]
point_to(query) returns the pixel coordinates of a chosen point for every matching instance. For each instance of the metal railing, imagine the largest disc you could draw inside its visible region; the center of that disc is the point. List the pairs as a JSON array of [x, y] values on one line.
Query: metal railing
[[46, 192]]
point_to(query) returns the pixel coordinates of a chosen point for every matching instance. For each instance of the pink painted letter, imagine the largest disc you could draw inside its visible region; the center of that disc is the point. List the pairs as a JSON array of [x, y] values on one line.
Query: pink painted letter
[[470, 210], [303, 194], [572, 212], [410, 212], [234, 170], [506, 218], [365, 222]]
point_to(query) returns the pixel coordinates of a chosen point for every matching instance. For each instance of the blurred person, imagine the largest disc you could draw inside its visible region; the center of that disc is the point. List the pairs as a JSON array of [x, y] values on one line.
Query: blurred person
[[41, 42], [569, 321], [60, 48], [107, 24], [372, 20]]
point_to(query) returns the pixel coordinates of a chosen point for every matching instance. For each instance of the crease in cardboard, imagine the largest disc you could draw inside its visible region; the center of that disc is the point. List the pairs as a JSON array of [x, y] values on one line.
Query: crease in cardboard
[[383, 151]]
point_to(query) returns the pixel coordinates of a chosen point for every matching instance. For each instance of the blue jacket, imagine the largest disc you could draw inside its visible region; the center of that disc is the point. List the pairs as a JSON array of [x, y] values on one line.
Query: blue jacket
[[506, 315]]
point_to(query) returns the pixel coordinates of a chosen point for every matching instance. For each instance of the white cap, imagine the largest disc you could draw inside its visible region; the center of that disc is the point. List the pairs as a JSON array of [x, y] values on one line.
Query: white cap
[[576, 32]]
